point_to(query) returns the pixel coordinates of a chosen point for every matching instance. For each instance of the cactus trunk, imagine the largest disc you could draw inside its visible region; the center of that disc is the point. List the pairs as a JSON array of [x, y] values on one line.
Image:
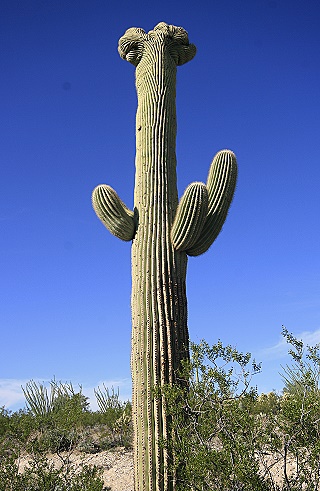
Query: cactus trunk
[[159, 305], [163, 234]]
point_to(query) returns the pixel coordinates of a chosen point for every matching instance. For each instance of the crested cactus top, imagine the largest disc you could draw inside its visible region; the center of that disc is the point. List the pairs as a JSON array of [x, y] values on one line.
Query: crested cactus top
[[132, 44]]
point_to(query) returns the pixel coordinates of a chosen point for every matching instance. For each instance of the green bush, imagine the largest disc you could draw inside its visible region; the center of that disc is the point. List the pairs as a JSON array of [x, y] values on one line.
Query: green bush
[[4, 420], [212, 411], [41, 475], [303, 375], [229, 438], [16, 429], [57, 420], [268, 404], [115, 418], [57, 414], [299, 418]]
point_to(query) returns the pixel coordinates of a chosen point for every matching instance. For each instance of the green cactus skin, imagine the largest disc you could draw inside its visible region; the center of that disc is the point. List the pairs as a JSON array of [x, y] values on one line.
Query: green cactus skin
[[221, 184], [190, 217], [113, 213], [163, 235]]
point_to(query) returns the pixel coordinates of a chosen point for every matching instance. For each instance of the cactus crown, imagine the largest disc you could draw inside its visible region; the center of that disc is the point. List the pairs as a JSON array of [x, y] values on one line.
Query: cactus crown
[[133, 43]]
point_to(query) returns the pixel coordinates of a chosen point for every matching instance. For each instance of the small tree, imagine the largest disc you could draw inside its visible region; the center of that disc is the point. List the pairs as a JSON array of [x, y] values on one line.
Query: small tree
[[217, 436]]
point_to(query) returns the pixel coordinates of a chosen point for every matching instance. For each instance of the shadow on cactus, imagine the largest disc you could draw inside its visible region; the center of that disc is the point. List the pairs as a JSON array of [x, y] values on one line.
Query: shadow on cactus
[[164, 235]]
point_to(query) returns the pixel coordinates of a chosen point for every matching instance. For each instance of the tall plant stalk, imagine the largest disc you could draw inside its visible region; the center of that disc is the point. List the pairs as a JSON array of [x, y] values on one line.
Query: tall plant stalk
[[163, 233]]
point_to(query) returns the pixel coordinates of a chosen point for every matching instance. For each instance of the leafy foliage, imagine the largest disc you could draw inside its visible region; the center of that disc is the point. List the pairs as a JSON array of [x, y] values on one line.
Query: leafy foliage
[[116, 418], [229, 438], [42, 475], [57, 414], [303, 375], [213, 421], [58, 421], [299, 419]]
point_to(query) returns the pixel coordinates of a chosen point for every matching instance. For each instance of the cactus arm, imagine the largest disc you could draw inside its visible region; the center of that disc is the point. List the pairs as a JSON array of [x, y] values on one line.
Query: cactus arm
[[190, 216], [221, 185], [113, 213]]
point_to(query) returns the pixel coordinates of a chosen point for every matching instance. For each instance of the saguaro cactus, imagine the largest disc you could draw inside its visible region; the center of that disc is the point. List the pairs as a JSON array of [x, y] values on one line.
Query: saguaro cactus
[[163, 234]]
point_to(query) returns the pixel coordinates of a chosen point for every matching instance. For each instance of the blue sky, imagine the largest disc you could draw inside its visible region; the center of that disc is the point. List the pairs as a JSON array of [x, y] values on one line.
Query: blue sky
[[67, 116]]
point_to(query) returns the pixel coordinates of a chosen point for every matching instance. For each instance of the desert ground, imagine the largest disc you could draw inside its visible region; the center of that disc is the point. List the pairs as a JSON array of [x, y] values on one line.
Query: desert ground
[[117, 466]]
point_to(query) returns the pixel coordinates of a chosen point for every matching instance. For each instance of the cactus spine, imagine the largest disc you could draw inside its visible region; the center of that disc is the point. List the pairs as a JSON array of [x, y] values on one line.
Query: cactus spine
[[163, 233]]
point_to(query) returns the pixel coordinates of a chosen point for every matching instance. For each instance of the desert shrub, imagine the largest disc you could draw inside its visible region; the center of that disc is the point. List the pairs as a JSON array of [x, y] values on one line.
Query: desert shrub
[[228, 438], [217, 435], [109, 403], [16, 429], [302, 376], [299, 418], [36, 433], [116, 421], [57, 419], [41, 475], [267, 403], [57, 414], [4, 420]]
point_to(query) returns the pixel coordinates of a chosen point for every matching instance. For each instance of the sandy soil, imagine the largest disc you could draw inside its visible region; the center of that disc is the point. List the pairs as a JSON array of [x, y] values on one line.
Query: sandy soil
[[117, 466]]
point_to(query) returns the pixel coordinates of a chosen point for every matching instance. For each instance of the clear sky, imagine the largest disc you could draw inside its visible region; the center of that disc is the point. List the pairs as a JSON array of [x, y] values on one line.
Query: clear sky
[[67, 118]]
